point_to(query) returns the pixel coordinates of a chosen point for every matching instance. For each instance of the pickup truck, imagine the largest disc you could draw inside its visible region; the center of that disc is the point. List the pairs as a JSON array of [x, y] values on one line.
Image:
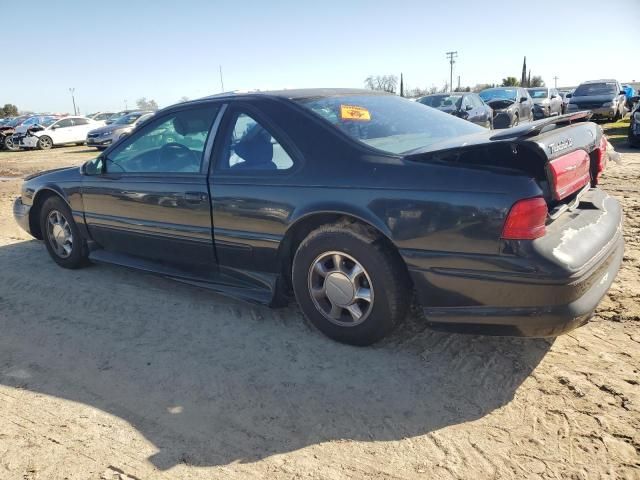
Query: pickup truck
[[353, 202]]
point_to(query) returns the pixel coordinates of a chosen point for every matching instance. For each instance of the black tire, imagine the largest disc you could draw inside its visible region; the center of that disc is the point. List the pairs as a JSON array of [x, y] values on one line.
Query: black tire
[[385, 275], [77, 256], [9, 145], [44, 143]]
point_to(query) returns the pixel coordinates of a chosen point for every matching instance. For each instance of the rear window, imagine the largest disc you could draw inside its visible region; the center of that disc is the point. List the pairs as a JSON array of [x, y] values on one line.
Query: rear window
[[441, 101], [592, 89], [388, 122]]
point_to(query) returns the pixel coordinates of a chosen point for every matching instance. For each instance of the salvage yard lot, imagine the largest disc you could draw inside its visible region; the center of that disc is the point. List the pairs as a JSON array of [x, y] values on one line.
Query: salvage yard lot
[[109, 373]]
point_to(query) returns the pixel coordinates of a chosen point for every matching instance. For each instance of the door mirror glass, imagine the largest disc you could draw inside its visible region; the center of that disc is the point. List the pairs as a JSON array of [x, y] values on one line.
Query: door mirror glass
[[93, 167]]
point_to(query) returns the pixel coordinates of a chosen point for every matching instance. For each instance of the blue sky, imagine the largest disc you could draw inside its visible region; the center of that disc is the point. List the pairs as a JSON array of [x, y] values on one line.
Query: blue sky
[[116, 50]]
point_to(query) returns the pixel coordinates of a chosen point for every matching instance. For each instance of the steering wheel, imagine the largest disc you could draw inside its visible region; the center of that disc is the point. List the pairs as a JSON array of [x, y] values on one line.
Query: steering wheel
[[173, 149]]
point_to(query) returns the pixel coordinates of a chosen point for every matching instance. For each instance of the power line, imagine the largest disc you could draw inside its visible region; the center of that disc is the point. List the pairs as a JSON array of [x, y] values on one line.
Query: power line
[[451, 56]]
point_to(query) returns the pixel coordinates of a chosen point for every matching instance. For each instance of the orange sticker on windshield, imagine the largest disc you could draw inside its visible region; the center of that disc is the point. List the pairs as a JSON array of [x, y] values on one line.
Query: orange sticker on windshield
[[352, 112]]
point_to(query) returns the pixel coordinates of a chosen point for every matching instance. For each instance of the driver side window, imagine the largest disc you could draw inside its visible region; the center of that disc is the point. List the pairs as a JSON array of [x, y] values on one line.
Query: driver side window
[[171, 144]]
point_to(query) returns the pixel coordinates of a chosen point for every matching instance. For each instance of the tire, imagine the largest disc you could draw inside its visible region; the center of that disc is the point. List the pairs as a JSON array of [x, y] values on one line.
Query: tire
[[61, 234], [9, 145], [79, 144], [44, 143], [382, 275]]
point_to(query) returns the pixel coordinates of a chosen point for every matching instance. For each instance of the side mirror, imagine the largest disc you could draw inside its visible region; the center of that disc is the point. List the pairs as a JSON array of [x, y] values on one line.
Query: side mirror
[[92, 167], [568, 95], [523, 99], [54, 127], [622, 92], [554, 96], [469, 107]]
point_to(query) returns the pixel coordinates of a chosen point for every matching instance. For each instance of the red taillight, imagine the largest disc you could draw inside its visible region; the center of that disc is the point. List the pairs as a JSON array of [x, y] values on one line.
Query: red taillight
[[569, 173], [526, 219], [601, 156]]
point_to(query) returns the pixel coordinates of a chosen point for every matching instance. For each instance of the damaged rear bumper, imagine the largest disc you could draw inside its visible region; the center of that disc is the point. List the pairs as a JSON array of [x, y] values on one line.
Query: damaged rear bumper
[[540, 288]]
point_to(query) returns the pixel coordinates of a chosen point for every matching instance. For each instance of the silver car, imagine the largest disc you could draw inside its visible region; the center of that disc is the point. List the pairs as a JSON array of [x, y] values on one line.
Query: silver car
[[102, 137], [547, 102], [605, 98]]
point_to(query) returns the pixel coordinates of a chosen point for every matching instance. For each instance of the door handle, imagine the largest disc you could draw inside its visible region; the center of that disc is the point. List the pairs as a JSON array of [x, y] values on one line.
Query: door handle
[[195, 197]]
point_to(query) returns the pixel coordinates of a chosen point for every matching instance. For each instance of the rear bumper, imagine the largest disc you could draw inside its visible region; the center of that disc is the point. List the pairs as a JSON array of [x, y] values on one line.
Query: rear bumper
[[549, 287], [21, 214]]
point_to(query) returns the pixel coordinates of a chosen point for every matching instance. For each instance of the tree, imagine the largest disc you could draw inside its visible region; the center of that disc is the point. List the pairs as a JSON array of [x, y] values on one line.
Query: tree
[[183, 99], [144, 104], [386, 83], [523, 79], [482, 86], [510, 82], [536, 81], [462, 89], [9, 110], [401, 85]]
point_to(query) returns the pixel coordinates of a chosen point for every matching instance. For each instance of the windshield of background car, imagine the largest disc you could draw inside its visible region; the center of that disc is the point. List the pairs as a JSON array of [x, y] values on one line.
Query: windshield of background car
[[442, 101], [538, 92], [128, 119], [499, 94], [388, 122], [592, 89]]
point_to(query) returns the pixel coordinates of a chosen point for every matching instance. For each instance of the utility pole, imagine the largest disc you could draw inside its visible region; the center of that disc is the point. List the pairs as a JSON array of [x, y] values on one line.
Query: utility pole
[[458, 83], [72, 90], [451, 56], [125, 104], [555, 82], [221, 82]]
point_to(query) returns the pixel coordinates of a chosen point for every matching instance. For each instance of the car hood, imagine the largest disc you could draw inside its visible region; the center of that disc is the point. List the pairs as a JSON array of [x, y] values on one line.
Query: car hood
[[500, 103], [110, 128], [592, 99]]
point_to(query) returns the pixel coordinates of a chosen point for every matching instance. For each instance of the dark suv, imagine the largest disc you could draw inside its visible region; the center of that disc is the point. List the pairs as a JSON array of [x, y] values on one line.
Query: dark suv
[[605, 98]]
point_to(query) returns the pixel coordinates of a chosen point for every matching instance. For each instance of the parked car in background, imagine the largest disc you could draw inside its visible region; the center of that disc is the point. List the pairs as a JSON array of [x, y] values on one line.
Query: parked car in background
[[117, 116], [101, 117], [605, 98], [511, 105], [55, 131], [566, 96], [634, 125], [547, 102], [102, 137], [31, 121], [465, 105], [8, 129], [351, 200]]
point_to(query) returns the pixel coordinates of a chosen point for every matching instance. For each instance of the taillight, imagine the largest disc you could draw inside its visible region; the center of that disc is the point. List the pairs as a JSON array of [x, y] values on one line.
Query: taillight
[[526, 220], [569, 173], [601, 156]]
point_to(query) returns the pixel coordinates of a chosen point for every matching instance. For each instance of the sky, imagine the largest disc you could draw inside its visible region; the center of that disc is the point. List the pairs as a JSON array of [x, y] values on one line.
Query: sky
[[115, 52]]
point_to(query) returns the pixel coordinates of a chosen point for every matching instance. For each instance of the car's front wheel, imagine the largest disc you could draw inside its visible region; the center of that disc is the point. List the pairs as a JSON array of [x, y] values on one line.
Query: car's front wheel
[[44, 143], [9, 144], [349, 284], [61, 235]]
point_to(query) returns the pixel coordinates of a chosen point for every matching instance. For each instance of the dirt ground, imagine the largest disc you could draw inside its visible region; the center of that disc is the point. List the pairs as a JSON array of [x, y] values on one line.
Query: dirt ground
[[111, 374]]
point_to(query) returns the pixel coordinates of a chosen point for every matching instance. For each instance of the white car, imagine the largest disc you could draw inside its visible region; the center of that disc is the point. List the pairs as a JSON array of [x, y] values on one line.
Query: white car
[[52, 132]]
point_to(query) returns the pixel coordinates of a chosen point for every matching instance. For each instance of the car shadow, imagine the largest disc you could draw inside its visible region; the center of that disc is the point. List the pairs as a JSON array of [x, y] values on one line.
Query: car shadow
[[86, 150], [210, 380]]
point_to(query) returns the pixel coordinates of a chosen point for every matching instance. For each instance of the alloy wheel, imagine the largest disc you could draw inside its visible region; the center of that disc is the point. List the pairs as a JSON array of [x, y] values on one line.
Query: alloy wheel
[[59, 234], [340, 288]]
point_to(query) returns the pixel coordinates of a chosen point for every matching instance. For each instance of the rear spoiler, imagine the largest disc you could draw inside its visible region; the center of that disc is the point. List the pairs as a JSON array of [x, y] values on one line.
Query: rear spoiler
[[534, 128]]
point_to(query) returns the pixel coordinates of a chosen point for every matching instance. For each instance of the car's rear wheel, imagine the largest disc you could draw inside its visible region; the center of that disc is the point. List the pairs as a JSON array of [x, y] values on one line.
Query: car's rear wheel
[[61, 235], [44, 143], [349, 284]]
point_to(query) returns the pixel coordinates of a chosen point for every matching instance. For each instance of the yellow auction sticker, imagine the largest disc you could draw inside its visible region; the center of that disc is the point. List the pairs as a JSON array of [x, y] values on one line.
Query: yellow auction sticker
[[353, 112]]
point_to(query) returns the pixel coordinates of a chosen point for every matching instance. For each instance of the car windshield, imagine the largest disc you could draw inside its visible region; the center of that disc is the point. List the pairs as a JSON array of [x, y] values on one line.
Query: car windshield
[[538, 92], [128, 119], [499, 94], [592, 89], [388, 122], [442, 101]]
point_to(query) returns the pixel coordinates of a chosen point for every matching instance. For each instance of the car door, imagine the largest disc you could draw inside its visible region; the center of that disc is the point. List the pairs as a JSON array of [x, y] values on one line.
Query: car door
[[81, 127], [526, 107], [151, 197], [254, 164], [61, 131]]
